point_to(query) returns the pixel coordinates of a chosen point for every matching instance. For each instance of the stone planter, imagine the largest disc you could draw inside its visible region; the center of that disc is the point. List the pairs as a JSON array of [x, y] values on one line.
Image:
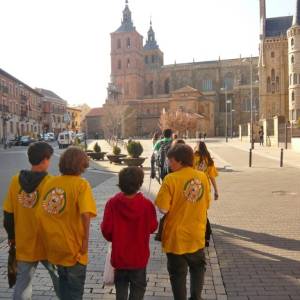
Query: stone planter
[[134, 162], [117, 159], [97, 155]]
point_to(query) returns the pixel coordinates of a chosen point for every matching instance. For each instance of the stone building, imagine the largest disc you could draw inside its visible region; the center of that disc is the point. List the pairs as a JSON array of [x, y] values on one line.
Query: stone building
[[93, 123], [140, 80], [54, 112], [74, 118], [20, 108], [279, 65]]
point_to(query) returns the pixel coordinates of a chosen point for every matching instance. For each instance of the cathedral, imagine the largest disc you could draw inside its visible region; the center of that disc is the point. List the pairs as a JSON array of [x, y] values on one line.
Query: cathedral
[[213, 90]]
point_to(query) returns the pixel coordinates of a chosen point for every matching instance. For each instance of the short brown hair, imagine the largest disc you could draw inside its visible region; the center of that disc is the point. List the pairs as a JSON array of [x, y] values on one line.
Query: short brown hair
[[130, 180], [183, 154], [39, 151], [73, 161]]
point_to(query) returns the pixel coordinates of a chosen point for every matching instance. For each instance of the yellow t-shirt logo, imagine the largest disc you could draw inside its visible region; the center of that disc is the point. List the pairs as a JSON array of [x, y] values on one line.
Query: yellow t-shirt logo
[[55, 201], [193, 190], [28, 200]]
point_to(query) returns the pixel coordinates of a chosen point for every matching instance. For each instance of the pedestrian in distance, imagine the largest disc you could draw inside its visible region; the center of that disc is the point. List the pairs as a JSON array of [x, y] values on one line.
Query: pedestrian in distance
[[20, 222], [129, 219], [204, 163], [67, 205], [261, 136], [155, 138], [184, 198]]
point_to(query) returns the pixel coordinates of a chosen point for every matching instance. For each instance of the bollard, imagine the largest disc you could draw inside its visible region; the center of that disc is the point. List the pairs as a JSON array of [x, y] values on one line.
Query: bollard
[[250, 158], [281, 158]]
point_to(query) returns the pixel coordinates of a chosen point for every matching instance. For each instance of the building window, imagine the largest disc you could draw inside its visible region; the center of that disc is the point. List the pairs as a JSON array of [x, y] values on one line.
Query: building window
[[167, 86], [229, 81], [128, 63], [119, 44], [292, 59], [277, 84], [269, 85], [295, 79], [207, 84], [273, 87], [273, 75], [151, 88], [292, 42], [272, 54], [146, 60], [11, 127], [128, 43], [119, 64], [153, 59], [293, 96]]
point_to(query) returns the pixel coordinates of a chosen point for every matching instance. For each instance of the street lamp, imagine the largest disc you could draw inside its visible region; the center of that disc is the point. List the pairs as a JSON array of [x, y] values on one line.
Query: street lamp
[[226, 111], [232, 111]]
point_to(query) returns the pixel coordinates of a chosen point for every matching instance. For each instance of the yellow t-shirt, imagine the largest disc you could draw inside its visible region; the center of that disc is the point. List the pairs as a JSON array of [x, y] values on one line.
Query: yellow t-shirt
[[63, 201], [23, 205], [185, 195], [203, 166]]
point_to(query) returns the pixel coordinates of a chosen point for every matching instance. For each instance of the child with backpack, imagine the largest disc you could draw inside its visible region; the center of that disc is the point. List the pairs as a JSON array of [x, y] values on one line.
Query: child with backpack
[[129, 219], [20, 222]]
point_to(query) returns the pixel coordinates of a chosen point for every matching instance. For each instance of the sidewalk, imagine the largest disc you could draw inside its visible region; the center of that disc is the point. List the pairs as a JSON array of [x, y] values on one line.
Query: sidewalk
[[158, 280]]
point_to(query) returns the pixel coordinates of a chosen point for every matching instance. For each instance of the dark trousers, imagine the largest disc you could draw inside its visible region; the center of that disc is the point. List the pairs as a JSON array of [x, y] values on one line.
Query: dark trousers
[[134, 280], [208, 233], [71, 281], [178, 268]]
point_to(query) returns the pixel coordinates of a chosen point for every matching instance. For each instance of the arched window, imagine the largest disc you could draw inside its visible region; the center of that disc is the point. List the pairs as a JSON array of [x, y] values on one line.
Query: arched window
[[128, 43], [269, 85], [151, 88], [292, 59], [295, 79], [167, 86], [277, 84], [128, 63], [119, 64], [119, 44], [292, 42], [273, 75], [272, 54], [146, 60], [229, 81]]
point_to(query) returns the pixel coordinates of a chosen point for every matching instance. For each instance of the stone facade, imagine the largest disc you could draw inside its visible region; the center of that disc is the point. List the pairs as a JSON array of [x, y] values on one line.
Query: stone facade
[[140, 79], [74, 118], [20, 107], [93, 123], [279, 65]]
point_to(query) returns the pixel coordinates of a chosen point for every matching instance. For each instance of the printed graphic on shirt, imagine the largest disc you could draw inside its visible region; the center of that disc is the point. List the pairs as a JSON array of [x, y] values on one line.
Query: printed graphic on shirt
[[193, 190], [28, 200], [202, 166], [55, 201]]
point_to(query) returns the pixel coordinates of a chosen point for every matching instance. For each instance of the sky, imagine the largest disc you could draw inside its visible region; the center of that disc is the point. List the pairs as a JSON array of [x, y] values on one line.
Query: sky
[[64, 45]]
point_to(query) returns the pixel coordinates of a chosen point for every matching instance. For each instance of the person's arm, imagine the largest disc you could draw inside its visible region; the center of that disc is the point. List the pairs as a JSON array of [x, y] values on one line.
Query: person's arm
[[107, 224], [153, 219], [214, 184], [8, 213], [86, 220], [164, 197]]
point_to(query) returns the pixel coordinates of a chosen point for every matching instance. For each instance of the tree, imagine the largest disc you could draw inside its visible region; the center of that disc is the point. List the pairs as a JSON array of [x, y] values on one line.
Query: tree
[[179, 121]]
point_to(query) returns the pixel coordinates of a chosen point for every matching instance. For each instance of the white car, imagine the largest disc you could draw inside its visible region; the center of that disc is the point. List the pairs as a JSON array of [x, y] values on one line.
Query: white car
[[66, 139]]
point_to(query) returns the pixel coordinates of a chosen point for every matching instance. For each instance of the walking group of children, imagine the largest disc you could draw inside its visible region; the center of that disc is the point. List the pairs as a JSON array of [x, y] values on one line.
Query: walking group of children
[[47, 219]]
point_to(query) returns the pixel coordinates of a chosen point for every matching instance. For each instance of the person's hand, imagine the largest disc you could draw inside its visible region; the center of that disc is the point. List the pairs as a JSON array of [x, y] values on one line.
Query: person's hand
[[11, 243], [84, 247], [216, 196]]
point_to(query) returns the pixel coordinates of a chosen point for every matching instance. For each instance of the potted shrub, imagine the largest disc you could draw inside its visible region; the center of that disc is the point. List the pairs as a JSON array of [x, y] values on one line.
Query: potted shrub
[[97, 154], [116, 156], [135, 150]]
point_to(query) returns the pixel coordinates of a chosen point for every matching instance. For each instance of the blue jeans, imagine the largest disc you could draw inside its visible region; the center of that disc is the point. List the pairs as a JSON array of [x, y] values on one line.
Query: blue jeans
[[25, 273], [71, 281]]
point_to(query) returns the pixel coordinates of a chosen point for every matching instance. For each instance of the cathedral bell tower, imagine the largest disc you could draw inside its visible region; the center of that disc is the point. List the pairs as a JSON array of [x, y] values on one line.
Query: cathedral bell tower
[[294, 65], [127, 59], [153, 56]]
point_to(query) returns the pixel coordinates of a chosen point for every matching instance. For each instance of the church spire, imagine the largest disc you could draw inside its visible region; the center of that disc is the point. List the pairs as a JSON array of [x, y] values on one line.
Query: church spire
[[127, 24], [151, 42], [296, 20]]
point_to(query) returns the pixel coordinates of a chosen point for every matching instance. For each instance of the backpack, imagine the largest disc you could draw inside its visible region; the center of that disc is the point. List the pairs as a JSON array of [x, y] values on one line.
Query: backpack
[[162, 159]]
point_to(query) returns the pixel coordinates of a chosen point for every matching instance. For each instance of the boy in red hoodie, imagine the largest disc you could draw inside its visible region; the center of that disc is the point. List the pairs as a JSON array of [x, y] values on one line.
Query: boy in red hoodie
[[129, 219]]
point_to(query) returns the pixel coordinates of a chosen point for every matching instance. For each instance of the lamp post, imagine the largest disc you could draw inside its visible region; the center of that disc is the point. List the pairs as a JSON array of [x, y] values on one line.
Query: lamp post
[[226, 111], [232, 111]]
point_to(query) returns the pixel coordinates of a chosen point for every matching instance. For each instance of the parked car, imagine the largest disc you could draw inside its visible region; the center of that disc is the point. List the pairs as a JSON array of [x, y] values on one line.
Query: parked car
[[51, 136], [26, 140], [66, 139]]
